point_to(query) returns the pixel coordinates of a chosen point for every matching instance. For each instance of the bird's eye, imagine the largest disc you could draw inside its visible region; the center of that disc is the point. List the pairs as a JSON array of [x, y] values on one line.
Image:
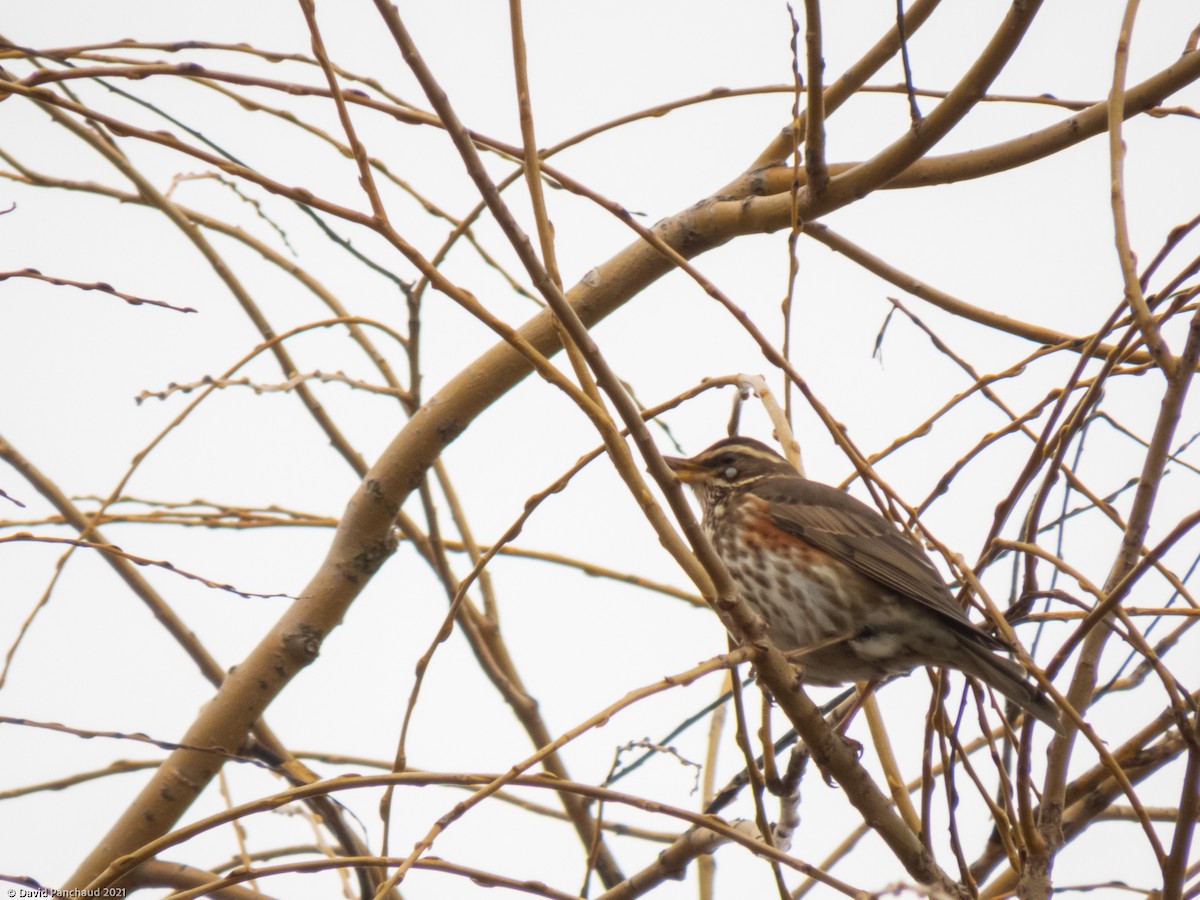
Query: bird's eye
[[730, 472]]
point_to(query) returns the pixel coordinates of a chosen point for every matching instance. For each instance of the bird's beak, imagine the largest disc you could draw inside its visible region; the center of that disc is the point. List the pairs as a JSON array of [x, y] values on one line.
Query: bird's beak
[[685, 469]]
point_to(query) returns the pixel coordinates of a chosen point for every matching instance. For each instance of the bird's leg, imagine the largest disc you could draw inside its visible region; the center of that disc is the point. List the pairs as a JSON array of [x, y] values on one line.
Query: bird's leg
[[797, 656], [865, 689]]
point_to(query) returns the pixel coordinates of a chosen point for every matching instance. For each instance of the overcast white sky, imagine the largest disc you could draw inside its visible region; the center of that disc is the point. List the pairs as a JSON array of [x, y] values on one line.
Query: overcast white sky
[[1036, 244]]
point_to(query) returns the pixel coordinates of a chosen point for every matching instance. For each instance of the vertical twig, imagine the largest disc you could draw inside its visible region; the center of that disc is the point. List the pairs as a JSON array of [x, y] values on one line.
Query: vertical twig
[[814, 124], [914, 111], [1116, 150], [887, 760], [705, 865], [757, 782], [794, 225], [1175, 872], [361, 159]]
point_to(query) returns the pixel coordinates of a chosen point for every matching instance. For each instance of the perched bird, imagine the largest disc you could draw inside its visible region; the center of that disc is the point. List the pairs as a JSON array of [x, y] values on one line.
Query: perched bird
[[843, 592]]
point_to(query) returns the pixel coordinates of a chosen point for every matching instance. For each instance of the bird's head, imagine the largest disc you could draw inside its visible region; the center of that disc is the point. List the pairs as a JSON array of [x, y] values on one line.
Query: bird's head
[[727, 464]]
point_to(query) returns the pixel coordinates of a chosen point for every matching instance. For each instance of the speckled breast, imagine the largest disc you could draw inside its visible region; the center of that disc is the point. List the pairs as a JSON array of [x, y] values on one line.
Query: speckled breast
[[806, 596]]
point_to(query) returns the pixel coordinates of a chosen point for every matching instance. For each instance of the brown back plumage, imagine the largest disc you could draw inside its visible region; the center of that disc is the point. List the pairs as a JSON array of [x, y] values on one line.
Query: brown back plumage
[[853, 533]]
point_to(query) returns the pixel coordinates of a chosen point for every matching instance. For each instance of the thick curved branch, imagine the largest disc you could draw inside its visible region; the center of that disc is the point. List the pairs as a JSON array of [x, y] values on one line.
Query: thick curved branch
[[1012, 154]]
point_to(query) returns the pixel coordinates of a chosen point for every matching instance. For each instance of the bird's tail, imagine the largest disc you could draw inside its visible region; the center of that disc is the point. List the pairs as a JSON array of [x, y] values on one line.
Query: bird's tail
[[1009, 679]]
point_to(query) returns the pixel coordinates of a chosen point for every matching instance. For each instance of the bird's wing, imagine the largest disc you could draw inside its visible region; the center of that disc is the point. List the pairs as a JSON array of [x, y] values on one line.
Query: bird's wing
[[853, 533]]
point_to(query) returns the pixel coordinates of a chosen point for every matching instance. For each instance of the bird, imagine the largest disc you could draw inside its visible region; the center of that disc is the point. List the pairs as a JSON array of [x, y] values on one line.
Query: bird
[[843, 592]]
